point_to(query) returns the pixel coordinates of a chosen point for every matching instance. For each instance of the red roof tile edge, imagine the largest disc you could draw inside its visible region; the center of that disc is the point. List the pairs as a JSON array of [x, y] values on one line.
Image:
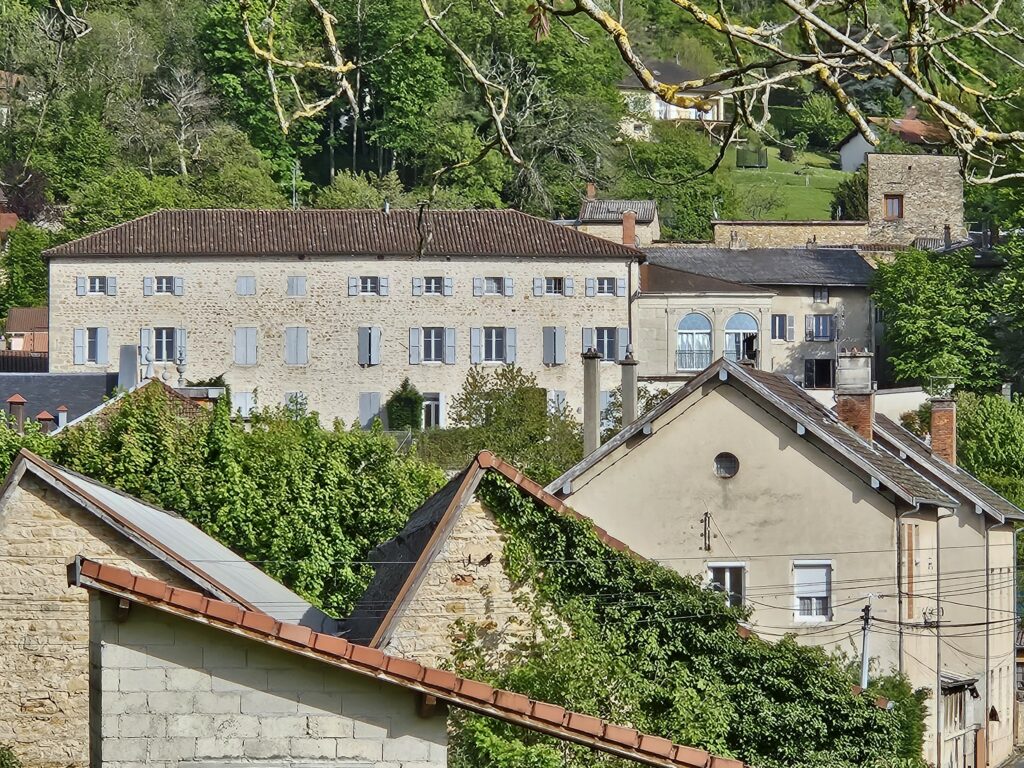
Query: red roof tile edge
[[458, 691]]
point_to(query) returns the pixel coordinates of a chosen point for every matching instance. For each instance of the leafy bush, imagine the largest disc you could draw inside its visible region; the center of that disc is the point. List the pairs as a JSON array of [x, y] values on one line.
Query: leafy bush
[[822, 121], [7, 757], [850, 197], [405, 407]]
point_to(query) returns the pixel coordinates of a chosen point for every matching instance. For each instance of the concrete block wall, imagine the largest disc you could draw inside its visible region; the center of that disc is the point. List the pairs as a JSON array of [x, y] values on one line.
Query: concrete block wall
[[172, 690], [44, 625]]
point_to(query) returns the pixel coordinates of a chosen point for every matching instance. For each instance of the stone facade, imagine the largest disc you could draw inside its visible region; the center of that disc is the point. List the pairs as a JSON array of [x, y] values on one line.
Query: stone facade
[[465, 580], [44, 700], [932, 191], [332, 380], [645, 234], [788, 234], [172, 691]]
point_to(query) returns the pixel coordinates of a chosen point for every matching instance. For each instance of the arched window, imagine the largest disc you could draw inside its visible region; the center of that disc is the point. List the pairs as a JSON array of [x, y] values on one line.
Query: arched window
[[740, 327], [693, 344]]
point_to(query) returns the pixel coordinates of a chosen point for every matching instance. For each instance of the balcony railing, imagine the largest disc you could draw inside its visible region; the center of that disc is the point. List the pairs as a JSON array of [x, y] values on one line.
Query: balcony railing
[[693, 360]]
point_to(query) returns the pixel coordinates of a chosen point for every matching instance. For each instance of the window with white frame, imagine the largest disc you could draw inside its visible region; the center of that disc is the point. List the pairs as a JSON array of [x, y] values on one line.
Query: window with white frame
[[821, 294], [97, 284], [92, 345], [164, 284], [819, 328], [693, 343], [494, 345], [163, 346], [431, 410], [433, 345], [494, 286], [605, 342], [606, 286], [779, 327], [369, 284], [433, 285], [554, 286], [812, 590], [728, 578]]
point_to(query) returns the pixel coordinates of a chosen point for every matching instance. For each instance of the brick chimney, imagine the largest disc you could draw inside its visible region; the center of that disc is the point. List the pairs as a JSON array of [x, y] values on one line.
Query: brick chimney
[[591, 191], [944, 428], [629, 229], [16, 407], [855, 394]]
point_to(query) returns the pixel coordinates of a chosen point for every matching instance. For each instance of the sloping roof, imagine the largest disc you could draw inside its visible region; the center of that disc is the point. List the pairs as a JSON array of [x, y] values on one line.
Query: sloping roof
[[78, 392], [658, 279], [182, 405], [251, 234], [446, 686], [905, 442], [667, 71], [868, 459], [767, 266], [27, 319], [401, 562], [611, 211], [173, 540]]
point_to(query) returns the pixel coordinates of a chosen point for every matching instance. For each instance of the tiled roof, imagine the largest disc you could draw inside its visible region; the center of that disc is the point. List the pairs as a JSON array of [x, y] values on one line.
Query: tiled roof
[[900, 439], [611, 211], [27, 319], [767, 266], [446, 686], [408, 233], [868, 458], [78, 392], [656, 279], [180, 404], [667, 71], [170, 538], [401, 562]]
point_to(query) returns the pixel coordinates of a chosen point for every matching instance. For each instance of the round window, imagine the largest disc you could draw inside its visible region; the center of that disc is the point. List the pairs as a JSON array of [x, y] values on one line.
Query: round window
[[726, 465]]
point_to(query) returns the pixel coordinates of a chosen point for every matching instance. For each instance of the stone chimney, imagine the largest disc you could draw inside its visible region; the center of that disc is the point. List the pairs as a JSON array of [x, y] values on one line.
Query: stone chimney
[[629, 229], [16, 407], [855, 395], [45, 420], [62, 415], [944, 428], [591, 191], [591, 401], [629, 387]]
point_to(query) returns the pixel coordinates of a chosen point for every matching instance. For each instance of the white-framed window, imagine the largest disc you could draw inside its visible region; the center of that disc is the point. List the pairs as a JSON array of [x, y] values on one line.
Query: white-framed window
[[163, 345], [821, 294], [369, 284], [432, 411], [693, 343], [606, 286], [433, 345], [433, 285], [554, 286], [164, 284], [812, 590], [494, 286], [296, 285], [738, 329], [92, 345], [778, 327], [494, 345], [97, 284], [605, 342], [729, 579]]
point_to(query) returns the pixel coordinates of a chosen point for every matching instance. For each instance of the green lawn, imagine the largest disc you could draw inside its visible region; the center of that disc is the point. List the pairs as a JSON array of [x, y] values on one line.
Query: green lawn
[[794, 191]]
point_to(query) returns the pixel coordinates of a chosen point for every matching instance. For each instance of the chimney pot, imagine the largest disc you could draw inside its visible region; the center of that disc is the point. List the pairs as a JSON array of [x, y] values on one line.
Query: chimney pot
[[591, 190], [62, 415], [591, 401], [629, 229], [855, 394], [943, 429], [629, 387], [45, 420]]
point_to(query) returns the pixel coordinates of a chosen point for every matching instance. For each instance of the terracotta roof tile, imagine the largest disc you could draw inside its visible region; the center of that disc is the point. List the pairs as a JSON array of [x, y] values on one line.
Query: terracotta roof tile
[[27, 319], [293, 633], [585, 723], [186, 598], [260, 622], [628, 737]]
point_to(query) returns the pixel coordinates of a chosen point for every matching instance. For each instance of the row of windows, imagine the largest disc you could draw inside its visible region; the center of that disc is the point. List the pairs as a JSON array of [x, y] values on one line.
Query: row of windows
[[161, 345], [695, 350], [812, 587]]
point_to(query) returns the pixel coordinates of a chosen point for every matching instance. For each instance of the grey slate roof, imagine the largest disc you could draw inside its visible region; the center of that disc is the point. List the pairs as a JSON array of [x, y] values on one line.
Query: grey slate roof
[[175, 541], [868, 458], [611, 211], [252, 234], [898, 438], [767, 266], [667, 71], [80, 392], [657, 279]]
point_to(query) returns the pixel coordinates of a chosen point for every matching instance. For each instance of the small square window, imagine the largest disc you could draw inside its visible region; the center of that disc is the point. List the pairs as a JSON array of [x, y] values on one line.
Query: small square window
[[433, 345], [97, 285], [821, 294], [893, 207], [554, 286], [605, 338], [369, 285], [92, 346], [164, 284], [296, 285], [245, 285], [494, 345], [812, 583], [433, 285], [494, 286], [606, 286], [779, 327]]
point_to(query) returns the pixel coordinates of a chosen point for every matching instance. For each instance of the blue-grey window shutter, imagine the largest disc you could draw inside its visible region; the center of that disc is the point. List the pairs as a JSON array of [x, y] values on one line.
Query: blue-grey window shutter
[[240, 346], [363, 345], [449, 286], [538, 286], [369, 408], [808, 327], [510, 345], [375, 334], [449, 346], [568, 286], [606, 399], [559, 345], [508, 286], [415, 342], [384, 282], [620, 286], [476, 344], [102, 346], [241, 402], [353, 286], [181, 340], [179, 286], [417, 286], [556, 400], [833, 328], [549, 345], [291, 346], [81, 285], [111, 286], [245, 285], [302, 337], [622, 340], [80, 346], [145, 344], [478, 286], [790, 328], [591, 286], [588, 339], [147, 286]]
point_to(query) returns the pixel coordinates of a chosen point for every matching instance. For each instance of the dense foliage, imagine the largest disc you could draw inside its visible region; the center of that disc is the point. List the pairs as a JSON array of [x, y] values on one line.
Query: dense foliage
[[638, 643], [405, 407], [26, 277]]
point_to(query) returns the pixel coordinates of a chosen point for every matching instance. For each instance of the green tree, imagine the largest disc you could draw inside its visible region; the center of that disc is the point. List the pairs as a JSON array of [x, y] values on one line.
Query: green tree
[[231, 173], [121, 195], [405, 407], [850, 197], [824, 125], [25, 274], [349, 190]]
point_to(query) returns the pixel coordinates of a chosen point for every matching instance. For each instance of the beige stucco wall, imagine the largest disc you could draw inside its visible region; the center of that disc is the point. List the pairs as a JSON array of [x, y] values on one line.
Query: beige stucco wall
[[787, 234], [210, 311], [645, 234], [933, 196], [44, 698]]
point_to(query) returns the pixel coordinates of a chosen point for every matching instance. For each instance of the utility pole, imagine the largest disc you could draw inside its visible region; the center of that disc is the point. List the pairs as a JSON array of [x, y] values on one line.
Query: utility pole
[[864, 657]]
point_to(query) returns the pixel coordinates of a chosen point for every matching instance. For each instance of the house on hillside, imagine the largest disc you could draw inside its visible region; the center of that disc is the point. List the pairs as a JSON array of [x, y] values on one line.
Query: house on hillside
[[631, 222], [808, 515], [180, 678], [643, 107], [27, 328], [929, 136], [336, 308], [49, 515]]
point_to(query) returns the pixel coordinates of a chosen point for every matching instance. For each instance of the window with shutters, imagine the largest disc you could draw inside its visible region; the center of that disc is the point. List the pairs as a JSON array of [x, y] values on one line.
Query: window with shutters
[[554, 286], [779, 327], [369, 284], [296, 346], [728, 578], [97, 284], [245, 346], [494, 345], [163, 345], [164, 284], [92, 345], [296, 285], [242, 403], [245, 285], [494, 286], [812, 590], [431, 410], [821, 294], [605, 342], [433, 345], [606, 286], [433, 285], [820, 328]]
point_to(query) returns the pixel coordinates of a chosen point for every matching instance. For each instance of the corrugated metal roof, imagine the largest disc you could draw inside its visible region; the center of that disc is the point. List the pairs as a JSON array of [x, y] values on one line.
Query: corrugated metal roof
[[251, 234], [611, 211], [767, 266]]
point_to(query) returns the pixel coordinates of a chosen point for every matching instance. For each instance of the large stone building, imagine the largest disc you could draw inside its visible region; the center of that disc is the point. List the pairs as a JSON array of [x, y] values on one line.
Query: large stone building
[[336, 308]]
